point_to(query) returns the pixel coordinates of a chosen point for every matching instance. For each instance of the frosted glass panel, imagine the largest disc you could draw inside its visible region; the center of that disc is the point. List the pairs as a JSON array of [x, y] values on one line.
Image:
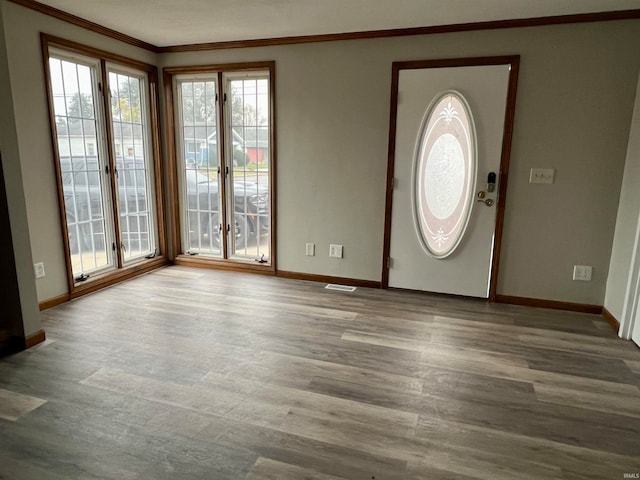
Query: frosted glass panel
[[445, 173]]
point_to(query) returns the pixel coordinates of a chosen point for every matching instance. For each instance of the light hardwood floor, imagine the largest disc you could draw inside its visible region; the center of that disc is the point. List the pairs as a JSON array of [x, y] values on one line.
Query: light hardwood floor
[[196, 374]]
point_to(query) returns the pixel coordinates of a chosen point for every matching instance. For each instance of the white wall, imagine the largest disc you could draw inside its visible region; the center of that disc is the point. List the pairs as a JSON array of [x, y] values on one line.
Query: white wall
[[575, 100], [13, 178], [573, 113], [627, 222]]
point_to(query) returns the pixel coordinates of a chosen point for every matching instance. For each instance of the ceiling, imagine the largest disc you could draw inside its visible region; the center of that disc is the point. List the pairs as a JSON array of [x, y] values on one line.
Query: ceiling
[[179, 22]]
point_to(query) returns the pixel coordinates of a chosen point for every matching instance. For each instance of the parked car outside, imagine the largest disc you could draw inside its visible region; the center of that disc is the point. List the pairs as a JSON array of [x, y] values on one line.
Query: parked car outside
[[85, 212], [251, 210]]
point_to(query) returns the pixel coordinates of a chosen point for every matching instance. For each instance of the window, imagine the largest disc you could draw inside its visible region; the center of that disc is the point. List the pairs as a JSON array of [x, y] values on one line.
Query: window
[[445, 172], [248, 151], [224, 160], [87, 194], [111, 206], [135, 172]]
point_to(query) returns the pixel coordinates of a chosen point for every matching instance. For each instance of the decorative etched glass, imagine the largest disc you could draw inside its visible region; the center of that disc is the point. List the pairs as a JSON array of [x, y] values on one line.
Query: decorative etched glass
[[445, 174]]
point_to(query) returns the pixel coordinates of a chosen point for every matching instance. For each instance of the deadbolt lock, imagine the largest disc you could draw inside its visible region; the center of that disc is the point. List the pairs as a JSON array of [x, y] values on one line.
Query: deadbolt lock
[[481, 195], [491, 182]]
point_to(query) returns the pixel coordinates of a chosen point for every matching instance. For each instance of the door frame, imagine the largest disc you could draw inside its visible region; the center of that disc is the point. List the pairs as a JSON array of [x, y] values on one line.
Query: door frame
[[514, 63], [631, 305]]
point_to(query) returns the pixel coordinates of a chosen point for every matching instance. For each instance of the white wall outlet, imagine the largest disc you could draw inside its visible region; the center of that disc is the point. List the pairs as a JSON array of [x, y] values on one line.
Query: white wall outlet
[[38, 268], [335, 251], [582, 272], [542, 175], [311, 249]]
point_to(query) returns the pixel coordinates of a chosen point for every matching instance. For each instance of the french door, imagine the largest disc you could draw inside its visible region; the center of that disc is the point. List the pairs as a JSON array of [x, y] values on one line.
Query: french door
[[105, 159], [224, 164]]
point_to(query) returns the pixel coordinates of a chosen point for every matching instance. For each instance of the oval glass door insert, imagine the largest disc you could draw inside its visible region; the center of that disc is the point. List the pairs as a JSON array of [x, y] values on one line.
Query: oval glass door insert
[[445, 174]]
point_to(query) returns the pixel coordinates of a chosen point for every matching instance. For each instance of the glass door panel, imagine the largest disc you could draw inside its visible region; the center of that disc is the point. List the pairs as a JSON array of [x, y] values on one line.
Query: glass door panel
[[82, 160], [248, 148], [198, 132], [134, 171]]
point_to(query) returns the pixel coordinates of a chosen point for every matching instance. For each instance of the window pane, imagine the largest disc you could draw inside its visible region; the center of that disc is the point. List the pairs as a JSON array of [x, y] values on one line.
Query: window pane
[[199, 151], [85, 195], [445, 174], [134, 165], [249, 190]]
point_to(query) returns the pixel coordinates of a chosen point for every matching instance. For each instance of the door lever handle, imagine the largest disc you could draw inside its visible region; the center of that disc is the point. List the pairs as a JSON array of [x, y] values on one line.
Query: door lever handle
[[487, 201]]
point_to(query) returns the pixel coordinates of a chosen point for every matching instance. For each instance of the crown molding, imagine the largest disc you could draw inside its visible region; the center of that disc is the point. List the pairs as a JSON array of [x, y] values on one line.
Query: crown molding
[[83, 23], [332, 37], [404, 32]]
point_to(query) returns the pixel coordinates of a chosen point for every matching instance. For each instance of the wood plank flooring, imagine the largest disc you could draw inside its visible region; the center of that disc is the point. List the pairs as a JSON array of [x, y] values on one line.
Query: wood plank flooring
[[196, 374]]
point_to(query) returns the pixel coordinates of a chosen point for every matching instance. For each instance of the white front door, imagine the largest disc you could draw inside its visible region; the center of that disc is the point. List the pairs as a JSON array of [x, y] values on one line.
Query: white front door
[[635, 333], [441, 232]]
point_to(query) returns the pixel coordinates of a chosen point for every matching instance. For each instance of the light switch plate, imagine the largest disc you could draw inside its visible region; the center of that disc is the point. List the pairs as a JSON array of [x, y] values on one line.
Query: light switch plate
[[310, 249], [542, 175], [335, 251], [582, 272], [38, 269]]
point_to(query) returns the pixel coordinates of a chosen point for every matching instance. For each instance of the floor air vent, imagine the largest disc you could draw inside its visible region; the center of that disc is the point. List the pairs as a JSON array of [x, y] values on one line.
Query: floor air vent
[[342, 288]]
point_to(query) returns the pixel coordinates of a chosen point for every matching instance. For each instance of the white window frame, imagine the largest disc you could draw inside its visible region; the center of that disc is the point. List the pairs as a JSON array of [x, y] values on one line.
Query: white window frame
[[181, 144], [102, 154], [148, 155], [227, 78]]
